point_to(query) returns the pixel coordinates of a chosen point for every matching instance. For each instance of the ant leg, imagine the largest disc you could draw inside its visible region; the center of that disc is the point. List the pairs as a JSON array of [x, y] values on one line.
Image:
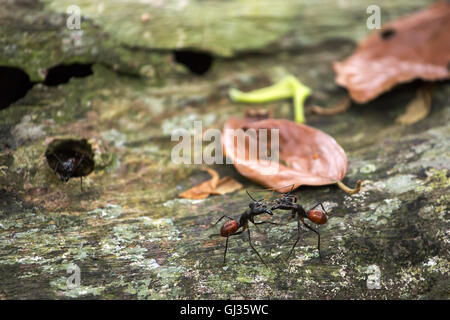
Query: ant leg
[[319, 204], [226, 246], [274, 223], [81, 183], [57, 164], [56, 168], [222, 218], [296, 241], [225, 253], [78, 164], [318, 237], [250, 242], [57, 158]]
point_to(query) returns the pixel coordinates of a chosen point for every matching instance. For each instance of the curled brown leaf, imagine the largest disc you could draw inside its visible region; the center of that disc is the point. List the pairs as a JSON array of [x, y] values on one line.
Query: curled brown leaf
[[307, 155], [413, 47], [212, 186]]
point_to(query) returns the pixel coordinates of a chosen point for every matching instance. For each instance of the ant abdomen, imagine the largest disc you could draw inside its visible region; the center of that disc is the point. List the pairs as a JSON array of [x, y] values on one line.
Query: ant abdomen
[[317, 216], [228, 228]]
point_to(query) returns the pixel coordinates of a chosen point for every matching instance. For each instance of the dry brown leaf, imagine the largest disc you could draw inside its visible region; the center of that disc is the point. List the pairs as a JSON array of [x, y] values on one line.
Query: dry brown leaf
[[213, 186], [413, 47], [227, 185], [307, 155], [203, 189], [418, 108], [342, 106]]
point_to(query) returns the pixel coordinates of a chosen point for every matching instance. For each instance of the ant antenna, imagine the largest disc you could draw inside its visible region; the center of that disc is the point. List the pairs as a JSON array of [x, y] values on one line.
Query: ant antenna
[[57, 158], [292, 185], [289, 185], [250, 195], [291, 189], [274, 188], [254, 198]]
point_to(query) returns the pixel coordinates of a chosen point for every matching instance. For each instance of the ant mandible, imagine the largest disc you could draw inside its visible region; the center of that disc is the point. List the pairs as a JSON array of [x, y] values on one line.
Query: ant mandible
[[288, 202], [231, 227]]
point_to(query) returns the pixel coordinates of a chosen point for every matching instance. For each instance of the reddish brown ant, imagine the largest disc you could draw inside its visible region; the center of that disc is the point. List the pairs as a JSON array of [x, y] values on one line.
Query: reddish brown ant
[[231, 227], [288, 202]]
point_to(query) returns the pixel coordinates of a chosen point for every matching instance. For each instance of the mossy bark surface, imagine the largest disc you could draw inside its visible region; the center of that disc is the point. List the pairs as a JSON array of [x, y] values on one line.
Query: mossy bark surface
[[130, 234]]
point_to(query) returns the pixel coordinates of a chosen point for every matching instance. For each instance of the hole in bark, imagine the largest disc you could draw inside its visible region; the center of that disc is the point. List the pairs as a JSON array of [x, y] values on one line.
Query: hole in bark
[[387, 34], [62, 73], [70, 158], [197, 62], [14, 84]]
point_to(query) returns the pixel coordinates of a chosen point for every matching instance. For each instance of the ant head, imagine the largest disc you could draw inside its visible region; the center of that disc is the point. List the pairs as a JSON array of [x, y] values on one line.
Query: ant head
[[317, 216], [65, 168], [255, 203], [228, 228]]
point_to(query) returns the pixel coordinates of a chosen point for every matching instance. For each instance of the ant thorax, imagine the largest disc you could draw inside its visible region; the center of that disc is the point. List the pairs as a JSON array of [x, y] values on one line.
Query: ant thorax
[[243, 220], [69, 164], [301, 211]]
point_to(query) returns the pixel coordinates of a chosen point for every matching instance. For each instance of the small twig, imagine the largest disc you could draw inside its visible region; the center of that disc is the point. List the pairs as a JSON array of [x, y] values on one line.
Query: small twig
[[350, 190]]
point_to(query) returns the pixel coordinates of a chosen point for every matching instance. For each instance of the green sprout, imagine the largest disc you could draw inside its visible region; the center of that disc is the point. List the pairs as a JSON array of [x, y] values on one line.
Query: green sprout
[[288, 87]]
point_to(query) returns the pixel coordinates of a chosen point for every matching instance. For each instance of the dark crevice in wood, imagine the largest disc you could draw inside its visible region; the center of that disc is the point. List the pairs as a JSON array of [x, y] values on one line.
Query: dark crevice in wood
[[62, 73], [198, 62], [14, 84]]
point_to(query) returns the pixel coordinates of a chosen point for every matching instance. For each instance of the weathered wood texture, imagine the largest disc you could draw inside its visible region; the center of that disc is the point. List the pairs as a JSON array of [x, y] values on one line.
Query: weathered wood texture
[[128, 232]]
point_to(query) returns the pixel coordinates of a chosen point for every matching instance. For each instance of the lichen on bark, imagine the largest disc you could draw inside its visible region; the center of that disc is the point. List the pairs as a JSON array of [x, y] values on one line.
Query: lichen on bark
[[133, 238]]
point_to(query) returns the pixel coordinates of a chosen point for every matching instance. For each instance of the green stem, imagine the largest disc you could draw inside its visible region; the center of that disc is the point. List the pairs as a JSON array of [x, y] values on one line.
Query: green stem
[[301, 92], [288, 87], [277, 91]]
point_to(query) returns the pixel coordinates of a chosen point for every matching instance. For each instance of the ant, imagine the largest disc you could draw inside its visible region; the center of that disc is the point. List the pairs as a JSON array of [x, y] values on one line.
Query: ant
[[70, 158], [288, 202], [67, 169], [231, 227]]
